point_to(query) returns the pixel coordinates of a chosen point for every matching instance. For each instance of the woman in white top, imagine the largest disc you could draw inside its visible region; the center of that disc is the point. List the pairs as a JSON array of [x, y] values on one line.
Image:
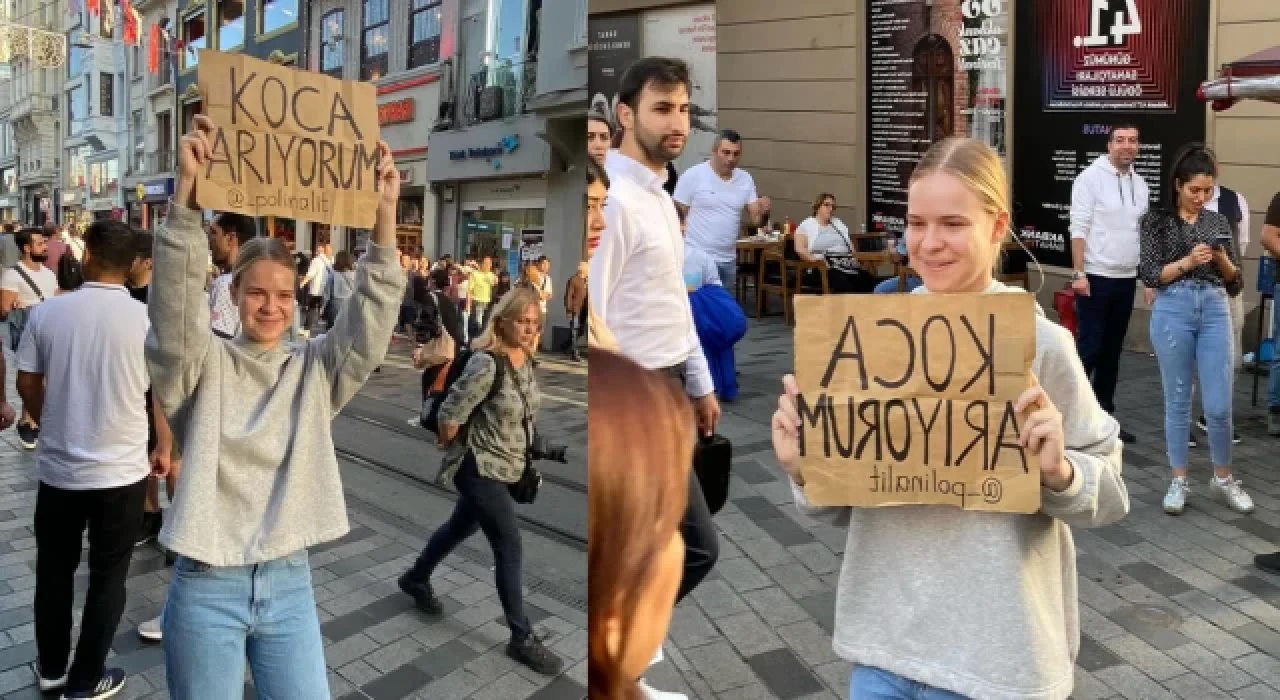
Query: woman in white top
[[823, 237]]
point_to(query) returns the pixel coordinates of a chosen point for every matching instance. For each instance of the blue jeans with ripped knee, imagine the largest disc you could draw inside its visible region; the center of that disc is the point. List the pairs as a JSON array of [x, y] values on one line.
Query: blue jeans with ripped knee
[[1191, 332]]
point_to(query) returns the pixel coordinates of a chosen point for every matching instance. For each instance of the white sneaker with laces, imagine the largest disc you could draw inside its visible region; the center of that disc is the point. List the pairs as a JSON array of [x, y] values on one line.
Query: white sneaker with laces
[[653, 694], [1230, 492], [1175, 501], [150, 631]]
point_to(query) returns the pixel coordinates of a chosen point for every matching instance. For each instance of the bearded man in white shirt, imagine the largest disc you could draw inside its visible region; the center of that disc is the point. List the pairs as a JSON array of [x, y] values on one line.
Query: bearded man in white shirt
[[636, 280], [711, 197]]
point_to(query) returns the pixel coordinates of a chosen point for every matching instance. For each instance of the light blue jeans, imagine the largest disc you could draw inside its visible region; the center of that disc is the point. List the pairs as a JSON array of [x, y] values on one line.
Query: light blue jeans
[[870, 683], [1191, 332], [216, 616], [1273, 383]]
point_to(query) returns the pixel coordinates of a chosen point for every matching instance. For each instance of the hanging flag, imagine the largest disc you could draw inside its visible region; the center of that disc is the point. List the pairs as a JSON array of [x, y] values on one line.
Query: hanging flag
[[93, 7], [153, 50], [131, 22]]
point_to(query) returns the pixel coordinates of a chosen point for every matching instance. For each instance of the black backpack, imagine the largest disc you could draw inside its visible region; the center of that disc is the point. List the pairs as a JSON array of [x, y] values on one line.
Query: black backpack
[[70, 272], [429, 418]]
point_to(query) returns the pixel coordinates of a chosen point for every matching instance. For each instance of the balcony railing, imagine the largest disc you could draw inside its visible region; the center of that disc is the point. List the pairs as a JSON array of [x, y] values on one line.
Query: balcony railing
[[162, 79], [158, 162], [500, 93]]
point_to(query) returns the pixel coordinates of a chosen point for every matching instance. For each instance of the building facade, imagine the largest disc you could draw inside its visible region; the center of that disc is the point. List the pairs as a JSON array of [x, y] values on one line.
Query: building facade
[[35, 121], [791, 77], [507, 155], [95, 128], [403, 47], [148, 151]]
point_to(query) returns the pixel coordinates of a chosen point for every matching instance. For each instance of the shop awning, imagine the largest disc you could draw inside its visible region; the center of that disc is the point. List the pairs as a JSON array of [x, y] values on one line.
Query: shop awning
[[1254, 77]]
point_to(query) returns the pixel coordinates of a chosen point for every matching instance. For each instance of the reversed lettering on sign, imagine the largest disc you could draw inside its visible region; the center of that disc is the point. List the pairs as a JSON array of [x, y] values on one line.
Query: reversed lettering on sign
[[909, 399]]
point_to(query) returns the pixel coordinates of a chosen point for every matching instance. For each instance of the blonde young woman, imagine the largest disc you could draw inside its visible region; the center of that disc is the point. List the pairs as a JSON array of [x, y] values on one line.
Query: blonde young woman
[[935, 602], [499, 433], [260, 481]]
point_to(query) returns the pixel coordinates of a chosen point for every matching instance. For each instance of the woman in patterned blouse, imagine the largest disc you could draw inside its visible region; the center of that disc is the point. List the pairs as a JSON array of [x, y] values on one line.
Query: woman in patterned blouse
[[1189, 256], [486, 458]]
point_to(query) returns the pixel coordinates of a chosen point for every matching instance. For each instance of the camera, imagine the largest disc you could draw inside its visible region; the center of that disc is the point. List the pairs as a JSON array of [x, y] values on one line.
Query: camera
[[543, 450]]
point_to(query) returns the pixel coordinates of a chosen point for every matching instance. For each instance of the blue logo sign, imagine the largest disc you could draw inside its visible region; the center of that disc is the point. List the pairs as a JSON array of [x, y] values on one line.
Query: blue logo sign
[[505, 146]]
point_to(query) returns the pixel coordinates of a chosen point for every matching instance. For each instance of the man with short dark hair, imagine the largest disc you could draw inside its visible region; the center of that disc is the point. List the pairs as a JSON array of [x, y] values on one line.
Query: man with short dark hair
[[227, 233], [599, 136], [22, 287], [711, 197], [92, 462], [1107, 199], [636, 280]]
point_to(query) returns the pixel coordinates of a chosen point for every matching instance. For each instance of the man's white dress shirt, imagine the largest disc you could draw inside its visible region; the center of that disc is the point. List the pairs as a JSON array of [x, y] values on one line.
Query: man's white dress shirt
[[636, 281]]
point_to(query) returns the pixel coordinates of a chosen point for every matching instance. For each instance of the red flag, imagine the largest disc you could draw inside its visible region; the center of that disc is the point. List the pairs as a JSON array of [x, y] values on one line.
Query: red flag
[[131, 22], [153, 50], [93, 7]]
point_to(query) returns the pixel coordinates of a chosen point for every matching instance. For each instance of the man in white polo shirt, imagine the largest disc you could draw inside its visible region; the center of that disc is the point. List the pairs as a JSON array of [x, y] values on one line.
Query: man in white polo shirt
[[82, 374], [711, 197]]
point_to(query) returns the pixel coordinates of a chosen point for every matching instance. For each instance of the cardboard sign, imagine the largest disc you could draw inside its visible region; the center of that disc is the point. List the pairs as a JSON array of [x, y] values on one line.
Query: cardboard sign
[[909, 399], [289, 143]]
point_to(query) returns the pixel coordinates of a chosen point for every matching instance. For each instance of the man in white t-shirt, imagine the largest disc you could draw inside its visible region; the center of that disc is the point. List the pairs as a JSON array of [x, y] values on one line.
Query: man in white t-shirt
[[22, 288], [227, 233], [317, 283], [711, 197], [92, 462]]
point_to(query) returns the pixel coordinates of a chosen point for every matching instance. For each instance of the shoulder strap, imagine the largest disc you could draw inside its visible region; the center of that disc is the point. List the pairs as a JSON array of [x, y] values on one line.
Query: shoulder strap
[[30, 283]]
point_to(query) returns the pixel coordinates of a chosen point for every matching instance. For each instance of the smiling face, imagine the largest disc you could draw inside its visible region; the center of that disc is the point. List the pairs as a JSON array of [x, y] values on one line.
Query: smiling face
[[1122, 147], [264, 294], [951, 236]]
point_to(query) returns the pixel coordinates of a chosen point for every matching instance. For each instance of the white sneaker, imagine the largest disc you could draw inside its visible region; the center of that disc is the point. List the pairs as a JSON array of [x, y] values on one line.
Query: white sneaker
[[47, 685], [1229, 491], [150, 631], [652, 694], [1176, 500]]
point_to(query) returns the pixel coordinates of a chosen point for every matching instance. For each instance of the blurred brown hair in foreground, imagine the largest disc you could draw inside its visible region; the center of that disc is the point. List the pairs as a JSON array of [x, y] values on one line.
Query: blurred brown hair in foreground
[[640, 447]]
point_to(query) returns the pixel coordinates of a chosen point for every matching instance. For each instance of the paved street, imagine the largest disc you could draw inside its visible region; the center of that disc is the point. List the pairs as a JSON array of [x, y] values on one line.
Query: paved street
[[1170, 607], [378, 647]]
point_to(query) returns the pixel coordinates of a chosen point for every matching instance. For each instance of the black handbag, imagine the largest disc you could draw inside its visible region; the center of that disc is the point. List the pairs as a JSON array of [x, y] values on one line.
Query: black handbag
[[712, 460], [525, 490]]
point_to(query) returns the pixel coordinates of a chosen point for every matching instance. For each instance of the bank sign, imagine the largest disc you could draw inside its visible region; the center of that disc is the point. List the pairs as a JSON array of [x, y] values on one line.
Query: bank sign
[[505, 146]]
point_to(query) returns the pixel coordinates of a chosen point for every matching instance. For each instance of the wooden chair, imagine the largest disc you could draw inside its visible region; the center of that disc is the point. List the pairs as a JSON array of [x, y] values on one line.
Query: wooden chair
[[798, 266], [904, 271], [771, 278], [748, 273]]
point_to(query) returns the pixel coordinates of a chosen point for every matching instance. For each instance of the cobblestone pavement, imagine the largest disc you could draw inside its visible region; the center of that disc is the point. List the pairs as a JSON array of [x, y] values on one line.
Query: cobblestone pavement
[[377, 646], [1170, 607]]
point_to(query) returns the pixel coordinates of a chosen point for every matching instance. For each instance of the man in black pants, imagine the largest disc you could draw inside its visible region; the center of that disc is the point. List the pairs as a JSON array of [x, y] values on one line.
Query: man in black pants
[[636, 280], [1107, 199], [93, 462]]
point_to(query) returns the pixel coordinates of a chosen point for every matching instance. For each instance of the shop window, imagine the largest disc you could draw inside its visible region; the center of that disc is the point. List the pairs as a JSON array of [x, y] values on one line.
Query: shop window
[[104, 179], [107, 95], [230, 25], [332, 42], [76, 169], [374, 40], [77, 110], [424, 32], [933, 73], [193, 39], [189, 112], [274, 15]]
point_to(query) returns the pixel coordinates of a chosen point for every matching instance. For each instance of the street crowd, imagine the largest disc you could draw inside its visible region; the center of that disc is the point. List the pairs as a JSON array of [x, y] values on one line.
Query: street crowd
[[215, 359], [657, 237]]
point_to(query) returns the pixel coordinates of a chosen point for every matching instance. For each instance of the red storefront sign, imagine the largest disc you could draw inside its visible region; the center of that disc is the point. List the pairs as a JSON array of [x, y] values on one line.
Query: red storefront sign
[[396, 112]]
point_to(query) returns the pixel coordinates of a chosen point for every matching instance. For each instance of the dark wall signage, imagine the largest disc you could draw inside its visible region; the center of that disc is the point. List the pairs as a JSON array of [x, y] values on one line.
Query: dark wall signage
[[614, 44]]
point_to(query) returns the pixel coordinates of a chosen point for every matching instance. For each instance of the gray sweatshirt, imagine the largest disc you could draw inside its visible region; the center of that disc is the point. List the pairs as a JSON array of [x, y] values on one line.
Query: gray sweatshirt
[[983, 604], [259, 477]]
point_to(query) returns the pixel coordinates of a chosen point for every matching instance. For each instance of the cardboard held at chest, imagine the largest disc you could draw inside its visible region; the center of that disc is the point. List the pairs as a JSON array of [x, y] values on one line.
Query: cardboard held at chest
[[288, 143], [909, 399]]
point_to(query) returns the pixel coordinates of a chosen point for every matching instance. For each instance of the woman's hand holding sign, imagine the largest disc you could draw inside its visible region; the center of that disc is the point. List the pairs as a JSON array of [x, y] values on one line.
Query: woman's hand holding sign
[[193, 153], [786, 430], [1042, 436]]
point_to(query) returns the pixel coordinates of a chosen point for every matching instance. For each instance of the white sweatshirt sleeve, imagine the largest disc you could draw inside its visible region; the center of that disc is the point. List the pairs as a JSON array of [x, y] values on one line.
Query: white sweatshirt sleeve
[[1082, 203]]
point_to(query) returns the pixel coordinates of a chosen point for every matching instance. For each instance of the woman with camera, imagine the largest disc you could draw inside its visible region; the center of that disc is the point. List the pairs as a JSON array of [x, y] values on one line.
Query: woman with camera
[[1188, 255], [490, 437]]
